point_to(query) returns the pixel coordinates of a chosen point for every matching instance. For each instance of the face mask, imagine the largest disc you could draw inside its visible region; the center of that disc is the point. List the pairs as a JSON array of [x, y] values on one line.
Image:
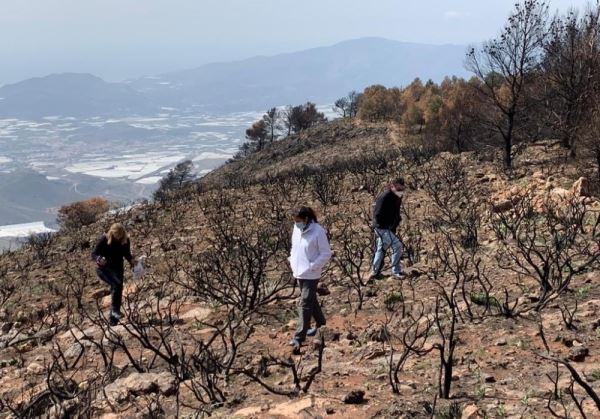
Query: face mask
[[301, 226]]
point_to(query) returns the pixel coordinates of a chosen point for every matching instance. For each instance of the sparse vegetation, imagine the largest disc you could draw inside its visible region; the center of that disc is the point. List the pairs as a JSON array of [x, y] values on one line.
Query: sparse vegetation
[[79, 214], [491, 256], [177, 178]]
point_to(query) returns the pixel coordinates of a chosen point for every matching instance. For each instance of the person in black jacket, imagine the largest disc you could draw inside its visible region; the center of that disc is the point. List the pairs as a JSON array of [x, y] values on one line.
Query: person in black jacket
[[110, 250], [386, 219]]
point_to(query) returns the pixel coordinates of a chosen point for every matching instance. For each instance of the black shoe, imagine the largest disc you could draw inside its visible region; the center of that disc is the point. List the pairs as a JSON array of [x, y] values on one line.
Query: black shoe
[[114, 318], [377, 276], [313, 330], [295, 344]]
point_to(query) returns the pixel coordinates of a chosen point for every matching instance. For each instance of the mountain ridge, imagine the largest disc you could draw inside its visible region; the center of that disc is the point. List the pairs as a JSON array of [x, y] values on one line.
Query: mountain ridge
[[70, 94], [320, 74]]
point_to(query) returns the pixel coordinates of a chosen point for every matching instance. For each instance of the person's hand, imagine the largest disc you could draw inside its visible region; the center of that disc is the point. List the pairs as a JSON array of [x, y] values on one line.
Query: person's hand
[[101, 261]]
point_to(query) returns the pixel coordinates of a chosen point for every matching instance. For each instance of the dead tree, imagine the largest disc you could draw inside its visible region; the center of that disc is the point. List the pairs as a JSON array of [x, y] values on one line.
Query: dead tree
[[354, 244], [568, 315], [370, 170], [411, 234], [7, 285], [327, 186], [576, 378], [456, 204], [453, 268], [244, 264], [506, 67], [549, 240], [415, 329], [42, 245], [570, 71], [301, 380]]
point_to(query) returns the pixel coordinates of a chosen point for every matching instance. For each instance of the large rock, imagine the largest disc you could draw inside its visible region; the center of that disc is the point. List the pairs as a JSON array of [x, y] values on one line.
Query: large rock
[[35, 368], [137, 384], [578, 354], [196, 314], [581, 187], [470, 412], [560, 193], [295, 408], [100, 293], [251, 411], [355, 397], [74, 332], [378, 333], [502, 206]]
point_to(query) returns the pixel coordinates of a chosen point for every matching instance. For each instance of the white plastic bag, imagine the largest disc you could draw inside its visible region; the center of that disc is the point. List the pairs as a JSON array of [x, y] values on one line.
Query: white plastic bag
[[139, 269]]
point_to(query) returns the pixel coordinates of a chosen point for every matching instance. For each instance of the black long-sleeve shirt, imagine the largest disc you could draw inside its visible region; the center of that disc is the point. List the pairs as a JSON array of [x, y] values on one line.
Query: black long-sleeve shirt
[[386, 214], [113, 253]]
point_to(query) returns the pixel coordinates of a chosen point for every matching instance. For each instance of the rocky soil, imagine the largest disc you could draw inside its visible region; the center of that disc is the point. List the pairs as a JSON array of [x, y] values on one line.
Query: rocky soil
[[183, 351]]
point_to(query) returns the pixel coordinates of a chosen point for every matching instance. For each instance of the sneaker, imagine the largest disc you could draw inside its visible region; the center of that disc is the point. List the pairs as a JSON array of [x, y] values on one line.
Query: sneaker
[[295, 344], [114, 318], [312, 331], [400, 275], [375, 276]]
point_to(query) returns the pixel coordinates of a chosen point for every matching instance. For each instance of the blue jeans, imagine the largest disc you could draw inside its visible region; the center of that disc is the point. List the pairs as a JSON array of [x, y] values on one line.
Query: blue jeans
[[385, 240], [116, 287]]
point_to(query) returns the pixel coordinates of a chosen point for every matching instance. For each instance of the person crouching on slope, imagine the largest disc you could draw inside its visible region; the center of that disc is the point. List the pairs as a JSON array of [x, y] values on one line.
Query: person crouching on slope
[[386, 219], [108, 254], [309, 254]]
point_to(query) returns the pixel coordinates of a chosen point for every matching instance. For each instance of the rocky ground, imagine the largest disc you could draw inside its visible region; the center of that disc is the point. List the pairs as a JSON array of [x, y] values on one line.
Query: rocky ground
[[184, 350]]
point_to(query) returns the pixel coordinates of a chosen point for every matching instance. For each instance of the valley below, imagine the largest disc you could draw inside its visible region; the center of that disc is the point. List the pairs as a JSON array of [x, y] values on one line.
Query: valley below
[[47, 163]]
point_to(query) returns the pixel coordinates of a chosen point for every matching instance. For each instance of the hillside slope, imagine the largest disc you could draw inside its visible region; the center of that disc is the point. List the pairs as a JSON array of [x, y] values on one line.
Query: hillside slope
[[206, 330]]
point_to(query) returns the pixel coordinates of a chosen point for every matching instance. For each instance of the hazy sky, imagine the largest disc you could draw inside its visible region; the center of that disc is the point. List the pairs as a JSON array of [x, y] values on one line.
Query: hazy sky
[[117, 39]]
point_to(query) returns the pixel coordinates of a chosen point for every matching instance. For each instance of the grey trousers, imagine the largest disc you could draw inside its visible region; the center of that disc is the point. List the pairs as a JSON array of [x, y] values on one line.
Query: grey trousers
[[308, 307]]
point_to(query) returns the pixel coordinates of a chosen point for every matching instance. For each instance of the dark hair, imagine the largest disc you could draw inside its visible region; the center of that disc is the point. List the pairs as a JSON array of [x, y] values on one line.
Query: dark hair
[[399, 181], [306, 212]]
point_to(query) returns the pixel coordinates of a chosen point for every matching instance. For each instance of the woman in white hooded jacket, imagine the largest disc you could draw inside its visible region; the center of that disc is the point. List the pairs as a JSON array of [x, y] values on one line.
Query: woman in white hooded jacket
[[309, 255]]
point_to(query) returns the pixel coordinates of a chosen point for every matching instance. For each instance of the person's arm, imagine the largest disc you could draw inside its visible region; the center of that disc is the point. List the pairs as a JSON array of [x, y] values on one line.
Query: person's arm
[[292, 241], [97, 253], [397, 215], [325, 252], [379, 211], [293, 245]]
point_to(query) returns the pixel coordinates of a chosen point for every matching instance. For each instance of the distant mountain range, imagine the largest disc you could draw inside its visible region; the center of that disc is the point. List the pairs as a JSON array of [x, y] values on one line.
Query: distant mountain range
[[72, 95], [320, 75]]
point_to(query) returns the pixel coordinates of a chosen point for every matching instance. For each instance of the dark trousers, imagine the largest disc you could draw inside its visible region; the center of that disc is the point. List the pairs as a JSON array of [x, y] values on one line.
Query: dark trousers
[[308, 307], [116, 287]]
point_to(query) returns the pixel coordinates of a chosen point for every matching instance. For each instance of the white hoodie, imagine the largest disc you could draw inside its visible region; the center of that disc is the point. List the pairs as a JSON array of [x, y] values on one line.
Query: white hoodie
[[310, 252]]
